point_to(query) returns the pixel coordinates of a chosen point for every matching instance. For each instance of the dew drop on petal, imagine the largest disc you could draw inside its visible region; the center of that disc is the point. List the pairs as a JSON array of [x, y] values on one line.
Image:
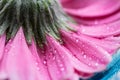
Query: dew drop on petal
[[55, 51], [61, 65], [84, 56], [77, 40], [82, 53], [96, 64], [62, 69], [45, 62], [36, 63], [6, 50], [54, 57]]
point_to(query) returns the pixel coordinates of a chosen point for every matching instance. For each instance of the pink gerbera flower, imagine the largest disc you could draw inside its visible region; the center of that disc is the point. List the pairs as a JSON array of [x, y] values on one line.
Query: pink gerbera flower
[[39, 43]]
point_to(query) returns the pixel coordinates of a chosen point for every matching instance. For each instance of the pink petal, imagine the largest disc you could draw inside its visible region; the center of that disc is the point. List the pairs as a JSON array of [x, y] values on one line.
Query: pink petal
[[97, 20], [2, 45], [58, 63], [99, 31], [113, 39], [20, 64], [85, 56], [110, 46], [91, 8]]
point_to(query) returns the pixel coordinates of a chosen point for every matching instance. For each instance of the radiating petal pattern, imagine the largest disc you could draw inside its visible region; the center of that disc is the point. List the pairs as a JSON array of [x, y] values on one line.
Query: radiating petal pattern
[[20, 64], [57, 61], [86, 56]]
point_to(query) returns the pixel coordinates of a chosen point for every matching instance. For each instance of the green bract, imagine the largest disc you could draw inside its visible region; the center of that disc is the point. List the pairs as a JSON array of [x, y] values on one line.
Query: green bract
[[36, 17]]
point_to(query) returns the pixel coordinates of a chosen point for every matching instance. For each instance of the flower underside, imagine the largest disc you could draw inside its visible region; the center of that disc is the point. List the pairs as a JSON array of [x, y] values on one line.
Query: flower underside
[[36, 17]]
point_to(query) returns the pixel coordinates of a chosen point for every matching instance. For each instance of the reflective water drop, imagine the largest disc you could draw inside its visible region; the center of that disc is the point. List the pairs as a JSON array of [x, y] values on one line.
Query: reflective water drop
[[61, 65], [62, 69], [89, 64], [84, 56], [6, 50], [83, 30], [82, 53], [54, 57], [44, 62], [55, 51], [77, 40], [96, 64]]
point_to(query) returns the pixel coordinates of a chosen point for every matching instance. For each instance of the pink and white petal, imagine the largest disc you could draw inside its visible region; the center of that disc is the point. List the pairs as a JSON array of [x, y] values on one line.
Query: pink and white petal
[[86, 56], [19, 63], [58, 63]]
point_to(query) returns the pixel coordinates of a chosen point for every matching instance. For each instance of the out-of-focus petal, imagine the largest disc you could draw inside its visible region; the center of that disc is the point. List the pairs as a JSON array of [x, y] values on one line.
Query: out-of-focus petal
[[20, 64], [91, 8], [58, 63], [86, 56]]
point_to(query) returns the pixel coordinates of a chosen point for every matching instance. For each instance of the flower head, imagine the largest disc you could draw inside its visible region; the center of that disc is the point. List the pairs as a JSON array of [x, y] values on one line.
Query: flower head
[[39, 43]]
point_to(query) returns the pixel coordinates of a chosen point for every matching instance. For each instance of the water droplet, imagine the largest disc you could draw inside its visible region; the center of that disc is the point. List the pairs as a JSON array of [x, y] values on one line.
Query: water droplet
[[62, 69], [77, 40], [84, 56], [6, 50], [44, 62], [96, 64], [61, 65], [54, 57], [55, 51], [36, 63], [83, 45], [82, 53], [83, 30]]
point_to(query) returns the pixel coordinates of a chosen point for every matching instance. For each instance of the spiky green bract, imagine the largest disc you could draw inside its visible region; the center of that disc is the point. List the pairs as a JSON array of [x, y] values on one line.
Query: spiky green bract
[[36, 17]]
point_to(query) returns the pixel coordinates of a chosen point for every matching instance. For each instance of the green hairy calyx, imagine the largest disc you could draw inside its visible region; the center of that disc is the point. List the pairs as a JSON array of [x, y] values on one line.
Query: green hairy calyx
[[36, 17]]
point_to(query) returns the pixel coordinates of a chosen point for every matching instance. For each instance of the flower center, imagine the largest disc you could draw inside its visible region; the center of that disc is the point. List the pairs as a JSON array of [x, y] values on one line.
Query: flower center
[[36, 17]]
